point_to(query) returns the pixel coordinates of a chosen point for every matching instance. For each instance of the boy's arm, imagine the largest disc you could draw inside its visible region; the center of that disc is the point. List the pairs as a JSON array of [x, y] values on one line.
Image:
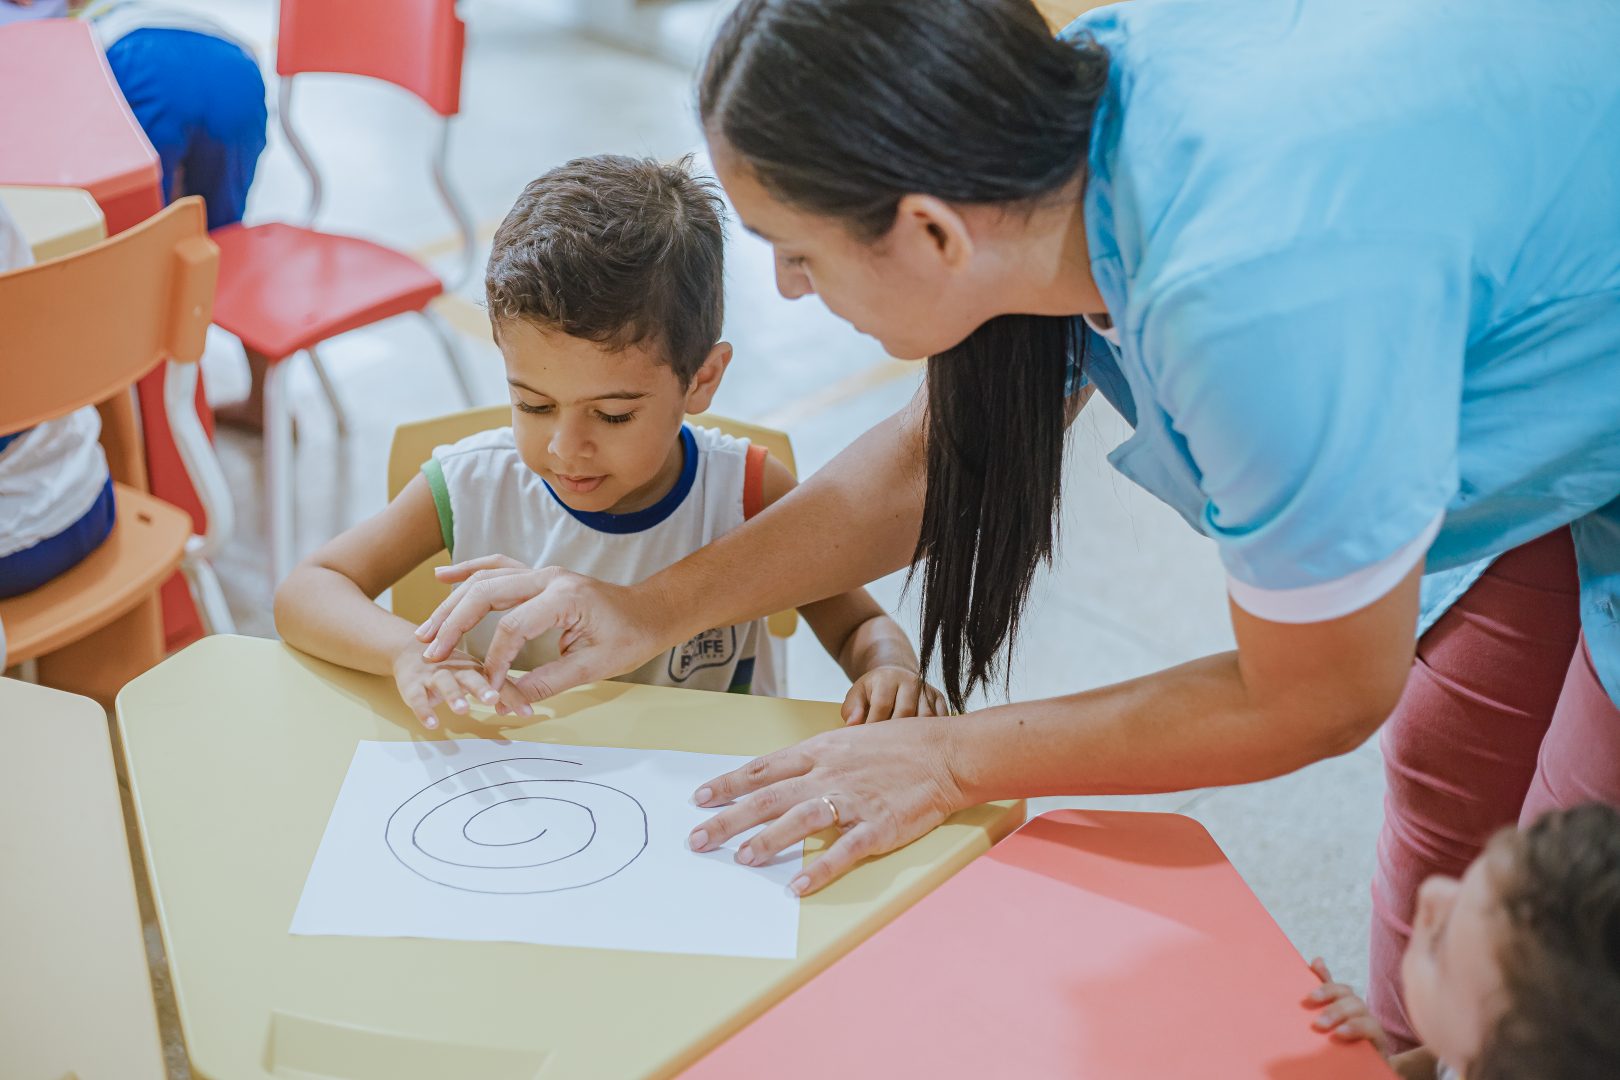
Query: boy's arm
[[873, 650], [325, 607]]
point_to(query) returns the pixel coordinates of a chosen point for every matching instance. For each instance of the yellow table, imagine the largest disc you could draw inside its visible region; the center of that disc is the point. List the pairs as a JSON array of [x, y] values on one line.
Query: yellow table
[[236, 750], [55, 221], [75, 994]]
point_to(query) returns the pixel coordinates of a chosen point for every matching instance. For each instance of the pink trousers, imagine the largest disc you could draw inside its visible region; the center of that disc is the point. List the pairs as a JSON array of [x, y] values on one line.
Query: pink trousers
[[1502, 719]]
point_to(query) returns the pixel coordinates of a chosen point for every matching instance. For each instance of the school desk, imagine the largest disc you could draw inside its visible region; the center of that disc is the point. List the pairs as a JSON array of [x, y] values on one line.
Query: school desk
[[236, 750], [65, 123], [1104, 945], [75, 995], [54, 221]]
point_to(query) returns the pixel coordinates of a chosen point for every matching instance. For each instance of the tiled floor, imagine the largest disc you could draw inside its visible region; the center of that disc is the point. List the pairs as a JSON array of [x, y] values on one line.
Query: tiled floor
[[1135, 589]]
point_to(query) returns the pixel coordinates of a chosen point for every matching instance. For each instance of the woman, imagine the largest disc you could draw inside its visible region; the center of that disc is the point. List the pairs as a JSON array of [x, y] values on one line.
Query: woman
[[1353, 274]]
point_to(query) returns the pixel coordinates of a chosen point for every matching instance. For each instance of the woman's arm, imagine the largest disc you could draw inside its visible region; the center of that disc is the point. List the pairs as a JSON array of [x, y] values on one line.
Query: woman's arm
[[1290, 695], [853, 521]]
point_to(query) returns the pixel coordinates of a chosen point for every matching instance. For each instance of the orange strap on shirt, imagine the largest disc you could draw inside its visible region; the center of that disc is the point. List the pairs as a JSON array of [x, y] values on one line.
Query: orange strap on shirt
[[754, 482]]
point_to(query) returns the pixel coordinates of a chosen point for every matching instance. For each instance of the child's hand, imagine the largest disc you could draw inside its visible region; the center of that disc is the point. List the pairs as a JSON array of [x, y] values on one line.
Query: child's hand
[[889, 691], [1344, 1016], [454, 681]]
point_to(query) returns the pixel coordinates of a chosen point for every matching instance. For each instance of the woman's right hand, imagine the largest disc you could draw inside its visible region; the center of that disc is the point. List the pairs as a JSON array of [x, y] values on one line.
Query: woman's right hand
[[607, 630]]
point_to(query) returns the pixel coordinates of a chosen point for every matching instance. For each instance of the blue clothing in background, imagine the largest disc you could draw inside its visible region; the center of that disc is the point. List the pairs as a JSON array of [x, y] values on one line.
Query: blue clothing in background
[[200, 100], [1364, 261]]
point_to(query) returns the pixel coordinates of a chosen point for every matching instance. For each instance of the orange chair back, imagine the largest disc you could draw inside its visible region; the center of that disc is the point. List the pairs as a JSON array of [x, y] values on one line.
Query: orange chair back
[[81, 328], [415, 44]]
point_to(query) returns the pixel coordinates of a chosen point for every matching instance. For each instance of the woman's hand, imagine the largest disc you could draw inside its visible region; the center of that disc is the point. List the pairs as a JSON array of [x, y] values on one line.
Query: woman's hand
[[1344, 1016], [606, 629], [891, 691], [454, 682], [881, 785]]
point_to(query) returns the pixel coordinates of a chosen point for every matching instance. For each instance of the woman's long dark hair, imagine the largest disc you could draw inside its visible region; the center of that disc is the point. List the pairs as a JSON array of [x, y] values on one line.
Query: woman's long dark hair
[[843, 107]]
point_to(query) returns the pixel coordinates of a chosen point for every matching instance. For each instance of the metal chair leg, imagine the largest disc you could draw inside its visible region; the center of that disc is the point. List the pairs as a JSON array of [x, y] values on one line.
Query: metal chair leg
[[452, 354], [278, 472], [206, 592], [330, 390]]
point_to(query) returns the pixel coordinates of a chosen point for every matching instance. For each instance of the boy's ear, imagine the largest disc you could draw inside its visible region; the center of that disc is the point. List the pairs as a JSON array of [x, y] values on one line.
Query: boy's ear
[[700, 394]]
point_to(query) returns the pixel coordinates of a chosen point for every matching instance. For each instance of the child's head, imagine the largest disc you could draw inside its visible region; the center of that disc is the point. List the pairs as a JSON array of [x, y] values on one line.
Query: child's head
[[1514, 971], [606, 296]]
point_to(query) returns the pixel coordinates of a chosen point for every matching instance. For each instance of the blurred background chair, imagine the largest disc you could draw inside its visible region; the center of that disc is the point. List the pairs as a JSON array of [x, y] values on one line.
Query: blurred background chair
[[99, 624], [284, 288]]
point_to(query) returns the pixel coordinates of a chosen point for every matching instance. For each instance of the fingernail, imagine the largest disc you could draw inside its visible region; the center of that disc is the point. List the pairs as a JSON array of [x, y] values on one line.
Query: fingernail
[[797, 886], [459, 705], [430, 723], [1319, 993], [703, 796], [745, 855], [699, 840], [525, 710], [490, 696], [421, 631], [1322, 1023]]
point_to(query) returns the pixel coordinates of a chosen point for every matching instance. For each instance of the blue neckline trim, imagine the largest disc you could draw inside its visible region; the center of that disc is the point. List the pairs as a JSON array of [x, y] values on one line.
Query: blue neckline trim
[[656, 514]]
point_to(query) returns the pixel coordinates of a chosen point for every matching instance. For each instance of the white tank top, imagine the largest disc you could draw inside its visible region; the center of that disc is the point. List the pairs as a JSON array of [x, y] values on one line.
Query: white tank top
[[491, 503]]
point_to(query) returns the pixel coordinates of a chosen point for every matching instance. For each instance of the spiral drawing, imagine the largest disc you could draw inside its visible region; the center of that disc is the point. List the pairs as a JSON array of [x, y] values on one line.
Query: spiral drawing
[[517, 825]]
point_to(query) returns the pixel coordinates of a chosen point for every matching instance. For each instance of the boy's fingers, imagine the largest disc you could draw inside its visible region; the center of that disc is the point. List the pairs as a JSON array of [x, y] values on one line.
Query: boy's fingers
[[854, 710], [460, 570], [1319, 966], [1362, 1027], [416, 699], [907, 699], [446, 686], [882, 703]]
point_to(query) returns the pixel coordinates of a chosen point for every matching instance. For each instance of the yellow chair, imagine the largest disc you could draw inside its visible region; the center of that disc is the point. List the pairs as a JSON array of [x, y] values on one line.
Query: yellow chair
[[80, 330], [416, 595], [75, 993]]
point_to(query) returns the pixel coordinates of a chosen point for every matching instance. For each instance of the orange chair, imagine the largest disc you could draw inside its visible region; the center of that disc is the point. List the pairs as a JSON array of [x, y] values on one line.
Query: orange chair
[[283, 289], [80, 330]]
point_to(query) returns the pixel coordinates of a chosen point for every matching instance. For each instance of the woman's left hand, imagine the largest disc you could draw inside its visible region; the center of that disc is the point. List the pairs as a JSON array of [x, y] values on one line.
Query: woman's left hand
[[881, 785]]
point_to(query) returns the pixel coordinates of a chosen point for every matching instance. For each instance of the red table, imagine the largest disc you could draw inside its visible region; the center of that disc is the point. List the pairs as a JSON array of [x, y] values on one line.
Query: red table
[[1087, 944], [65, 123]]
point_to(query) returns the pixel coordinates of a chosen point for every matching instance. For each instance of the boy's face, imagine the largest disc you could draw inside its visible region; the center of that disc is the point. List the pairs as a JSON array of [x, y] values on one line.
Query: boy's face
[[1452, 977], [600, 426]]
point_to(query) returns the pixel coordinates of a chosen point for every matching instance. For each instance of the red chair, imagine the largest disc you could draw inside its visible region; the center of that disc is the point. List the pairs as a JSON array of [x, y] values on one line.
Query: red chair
[[283, 289]]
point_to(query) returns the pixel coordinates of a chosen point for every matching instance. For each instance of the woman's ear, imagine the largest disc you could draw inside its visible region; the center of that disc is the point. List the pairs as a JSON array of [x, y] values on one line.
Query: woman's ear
[[927, 227], [706, 381]]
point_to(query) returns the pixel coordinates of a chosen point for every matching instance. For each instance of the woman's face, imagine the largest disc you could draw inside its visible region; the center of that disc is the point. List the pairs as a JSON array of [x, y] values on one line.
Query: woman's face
[[910, 289]]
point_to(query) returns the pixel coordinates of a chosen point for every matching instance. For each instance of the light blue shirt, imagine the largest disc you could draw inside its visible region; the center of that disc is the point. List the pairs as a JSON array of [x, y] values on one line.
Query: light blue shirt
[[1364, 259]]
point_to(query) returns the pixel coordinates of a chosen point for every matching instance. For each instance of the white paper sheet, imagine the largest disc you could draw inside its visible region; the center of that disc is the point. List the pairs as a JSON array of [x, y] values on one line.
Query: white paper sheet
[[478, 840]]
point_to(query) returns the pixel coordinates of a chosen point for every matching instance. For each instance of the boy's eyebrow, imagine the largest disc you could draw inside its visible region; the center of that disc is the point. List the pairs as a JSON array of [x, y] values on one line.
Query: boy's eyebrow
[[612, 395]]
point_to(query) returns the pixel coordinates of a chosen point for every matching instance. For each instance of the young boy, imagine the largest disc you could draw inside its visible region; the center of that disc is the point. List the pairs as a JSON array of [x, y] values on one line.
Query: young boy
[[1513, 972], [605, 293]]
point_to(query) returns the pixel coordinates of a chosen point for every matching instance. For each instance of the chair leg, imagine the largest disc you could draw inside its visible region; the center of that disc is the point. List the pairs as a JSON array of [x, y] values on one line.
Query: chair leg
[[330, 391], [278, 472], [451, 354], [207, 594]]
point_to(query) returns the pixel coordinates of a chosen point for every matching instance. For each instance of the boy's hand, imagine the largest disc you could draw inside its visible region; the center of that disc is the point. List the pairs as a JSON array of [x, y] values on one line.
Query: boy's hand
[[1344, 1016], [889, 691], [455, 681]]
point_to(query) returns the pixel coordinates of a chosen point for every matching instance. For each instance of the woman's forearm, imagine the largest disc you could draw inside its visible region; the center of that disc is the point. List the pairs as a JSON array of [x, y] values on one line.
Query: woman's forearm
[[855, 520], [1190, 726]]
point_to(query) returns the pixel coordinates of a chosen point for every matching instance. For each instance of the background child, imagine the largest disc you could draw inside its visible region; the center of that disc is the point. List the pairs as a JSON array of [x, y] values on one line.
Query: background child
[[1513, 971], [605, 286]]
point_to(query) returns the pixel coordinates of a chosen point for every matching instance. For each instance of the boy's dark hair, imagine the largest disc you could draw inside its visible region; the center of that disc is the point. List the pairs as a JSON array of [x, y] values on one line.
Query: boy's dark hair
[[1560, 952], [616, 250]]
